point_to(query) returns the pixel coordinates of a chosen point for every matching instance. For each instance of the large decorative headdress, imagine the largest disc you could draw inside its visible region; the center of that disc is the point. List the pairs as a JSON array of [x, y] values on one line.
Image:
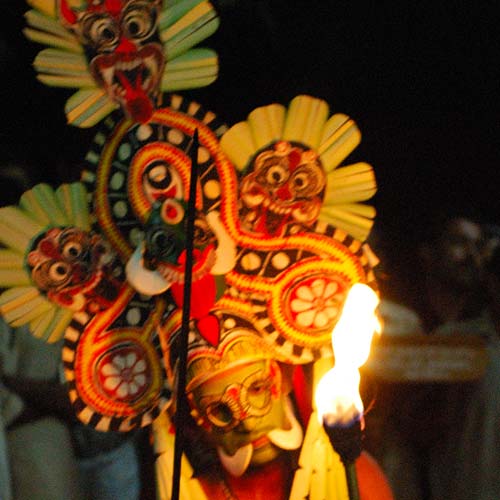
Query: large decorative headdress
[[280, 227], [290, 159], [299, 223], [53, 265]]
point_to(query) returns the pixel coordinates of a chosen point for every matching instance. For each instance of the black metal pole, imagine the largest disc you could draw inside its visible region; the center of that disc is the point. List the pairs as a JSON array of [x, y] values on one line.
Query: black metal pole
[[182, 410]]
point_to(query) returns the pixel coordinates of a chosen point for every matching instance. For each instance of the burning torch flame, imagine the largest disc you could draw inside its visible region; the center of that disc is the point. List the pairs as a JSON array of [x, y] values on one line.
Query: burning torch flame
[[337, 395]]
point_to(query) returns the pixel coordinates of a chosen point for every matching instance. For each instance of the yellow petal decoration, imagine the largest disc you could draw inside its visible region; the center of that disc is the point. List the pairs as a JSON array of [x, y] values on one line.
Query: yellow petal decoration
[[39, 208], [164, 443], [333, 138], [321, 474], [182, 25]]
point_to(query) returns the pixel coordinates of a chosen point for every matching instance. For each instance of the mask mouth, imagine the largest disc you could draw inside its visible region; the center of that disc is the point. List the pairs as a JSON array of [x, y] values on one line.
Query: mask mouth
[[142, 279], [132, 80], [285, 439], [238, 463], [260, 442]]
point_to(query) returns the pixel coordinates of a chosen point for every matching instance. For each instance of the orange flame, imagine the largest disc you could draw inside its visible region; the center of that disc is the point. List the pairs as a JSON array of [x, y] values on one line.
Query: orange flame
[[337, 395]]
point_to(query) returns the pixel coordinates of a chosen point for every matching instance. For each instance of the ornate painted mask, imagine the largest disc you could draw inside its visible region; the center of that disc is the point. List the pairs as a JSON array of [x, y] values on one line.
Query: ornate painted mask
[[240, 405], [284, 187], [235, 393], [123, 49], [73, 267]]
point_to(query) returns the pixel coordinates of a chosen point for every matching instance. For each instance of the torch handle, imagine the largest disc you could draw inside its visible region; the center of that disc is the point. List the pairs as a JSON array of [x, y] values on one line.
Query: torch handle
[[352, 480]]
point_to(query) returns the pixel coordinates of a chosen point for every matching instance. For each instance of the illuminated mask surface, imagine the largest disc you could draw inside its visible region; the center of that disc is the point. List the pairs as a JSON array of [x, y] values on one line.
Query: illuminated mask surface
[[72, 267], [241, 405], [123, 49], [284, 187]]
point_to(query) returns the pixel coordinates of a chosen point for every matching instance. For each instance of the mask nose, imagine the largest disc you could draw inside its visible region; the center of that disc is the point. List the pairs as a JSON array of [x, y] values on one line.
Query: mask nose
[[283, 193], [126, 47]]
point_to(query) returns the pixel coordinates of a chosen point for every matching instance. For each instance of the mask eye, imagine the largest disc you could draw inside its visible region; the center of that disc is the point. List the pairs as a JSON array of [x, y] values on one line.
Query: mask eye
[[158, 175], [101, 31], [59, 272], [202, 233], [307, 180], [276, 175], [72, 250], [101, 248], [159, 240], [222, 413], [258, 391], [301, 181], [139, 22], [161, 180]]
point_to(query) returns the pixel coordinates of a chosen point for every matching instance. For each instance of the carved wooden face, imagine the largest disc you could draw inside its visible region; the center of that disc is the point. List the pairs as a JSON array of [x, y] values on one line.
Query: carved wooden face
[[240, 405], [123, 49], [284, 187], [73, 267]]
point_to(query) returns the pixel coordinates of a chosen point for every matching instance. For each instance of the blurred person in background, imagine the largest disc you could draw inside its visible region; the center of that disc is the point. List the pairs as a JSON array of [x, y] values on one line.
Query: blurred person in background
[[442, 440], [35, 411]]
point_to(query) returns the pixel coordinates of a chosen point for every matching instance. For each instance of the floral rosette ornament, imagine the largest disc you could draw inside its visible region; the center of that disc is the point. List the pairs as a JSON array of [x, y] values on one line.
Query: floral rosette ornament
[[61, 277], [121, 53], [53, 265], [113, 364], [300, 224]]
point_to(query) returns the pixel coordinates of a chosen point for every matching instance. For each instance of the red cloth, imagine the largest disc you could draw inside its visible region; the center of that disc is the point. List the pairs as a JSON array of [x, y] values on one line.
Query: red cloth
[[269, 482]]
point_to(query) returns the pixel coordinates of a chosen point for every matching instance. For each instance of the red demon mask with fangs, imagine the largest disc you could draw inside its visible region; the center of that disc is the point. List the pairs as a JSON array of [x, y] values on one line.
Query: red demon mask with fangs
[[123, 49]]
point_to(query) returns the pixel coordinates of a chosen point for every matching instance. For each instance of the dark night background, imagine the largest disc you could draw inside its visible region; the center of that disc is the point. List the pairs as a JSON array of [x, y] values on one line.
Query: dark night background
[[421, 79]]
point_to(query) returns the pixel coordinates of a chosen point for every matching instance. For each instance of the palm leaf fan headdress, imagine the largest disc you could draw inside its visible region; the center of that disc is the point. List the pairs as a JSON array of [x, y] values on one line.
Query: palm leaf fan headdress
[[29, 232], [326, 140], [180, 25]]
